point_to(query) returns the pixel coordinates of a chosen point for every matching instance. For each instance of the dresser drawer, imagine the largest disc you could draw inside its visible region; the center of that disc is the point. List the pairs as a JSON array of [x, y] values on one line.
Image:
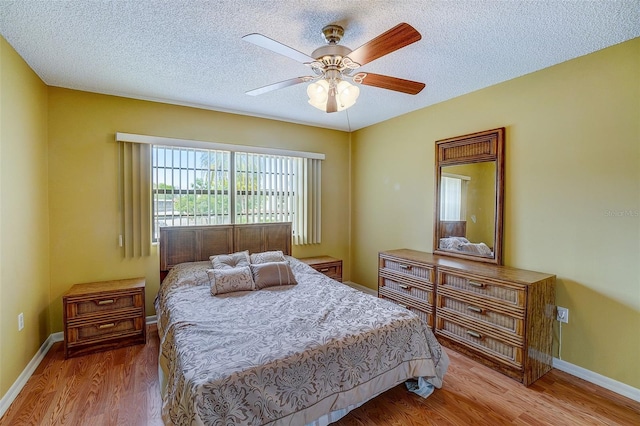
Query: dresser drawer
[[480, 310], [114, 303], [424, 313], [405, 300], [505, 293], [417, 292], [407, 268], [482, 341]]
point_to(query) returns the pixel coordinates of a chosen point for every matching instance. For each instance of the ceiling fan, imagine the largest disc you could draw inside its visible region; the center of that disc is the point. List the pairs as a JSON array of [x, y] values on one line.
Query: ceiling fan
[[334, 64]]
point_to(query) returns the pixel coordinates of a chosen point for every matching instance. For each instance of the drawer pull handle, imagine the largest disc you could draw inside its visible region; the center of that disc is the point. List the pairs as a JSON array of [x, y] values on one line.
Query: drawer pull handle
[[324, 270], [474, 334], [407, 267], [475, 284], [106, 302], [476, 310], [404, 286], [103, 326]]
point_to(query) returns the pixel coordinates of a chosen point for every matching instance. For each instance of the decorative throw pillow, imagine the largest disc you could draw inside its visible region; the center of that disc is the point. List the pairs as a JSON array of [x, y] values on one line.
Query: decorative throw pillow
[[229, 280], [272, 274], [228, 261], [268, 256]]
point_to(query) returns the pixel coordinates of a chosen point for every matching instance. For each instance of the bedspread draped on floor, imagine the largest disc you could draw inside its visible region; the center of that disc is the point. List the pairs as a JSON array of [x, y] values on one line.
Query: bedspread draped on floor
[[284, 355]]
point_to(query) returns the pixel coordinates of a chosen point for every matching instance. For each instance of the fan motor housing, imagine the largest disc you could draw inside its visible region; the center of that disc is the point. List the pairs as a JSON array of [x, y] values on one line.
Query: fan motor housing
[[330, 50]]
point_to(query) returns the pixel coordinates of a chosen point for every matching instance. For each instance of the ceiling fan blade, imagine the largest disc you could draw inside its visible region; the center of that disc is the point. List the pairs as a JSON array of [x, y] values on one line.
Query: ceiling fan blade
[[276, 86], [332, 104], [391, 83], [276, 46], [396, 38]]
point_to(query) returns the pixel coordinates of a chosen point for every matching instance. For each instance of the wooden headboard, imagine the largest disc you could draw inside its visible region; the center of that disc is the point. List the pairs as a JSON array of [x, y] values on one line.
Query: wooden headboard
[[179, 244], [453, 228]]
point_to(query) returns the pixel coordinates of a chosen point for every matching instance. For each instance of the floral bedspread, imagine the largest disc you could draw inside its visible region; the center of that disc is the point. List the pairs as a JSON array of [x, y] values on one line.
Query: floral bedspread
[[282, 355]]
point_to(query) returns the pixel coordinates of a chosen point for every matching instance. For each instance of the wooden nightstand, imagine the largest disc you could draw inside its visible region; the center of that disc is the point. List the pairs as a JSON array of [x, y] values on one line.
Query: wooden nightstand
[[330, 266], [104, 315]]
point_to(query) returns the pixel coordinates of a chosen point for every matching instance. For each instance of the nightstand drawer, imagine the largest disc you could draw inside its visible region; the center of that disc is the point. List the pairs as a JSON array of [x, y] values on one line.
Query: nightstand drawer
[[330, 270], [327, 265], [81, 307], [105, 328]]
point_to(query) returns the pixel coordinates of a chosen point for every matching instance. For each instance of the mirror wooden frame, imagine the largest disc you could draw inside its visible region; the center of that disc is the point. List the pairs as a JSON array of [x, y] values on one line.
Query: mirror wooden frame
[[478, 147]]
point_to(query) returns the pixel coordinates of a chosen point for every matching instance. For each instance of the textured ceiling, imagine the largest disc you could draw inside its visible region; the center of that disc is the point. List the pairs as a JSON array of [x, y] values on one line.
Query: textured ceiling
[[192, 52]]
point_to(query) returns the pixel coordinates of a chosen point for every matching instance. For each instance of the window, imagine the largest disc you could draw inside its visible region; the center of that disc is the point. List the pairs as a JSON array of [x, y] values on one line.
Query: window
[[208, 187], [180, 182], [453, 194], [190, 187]]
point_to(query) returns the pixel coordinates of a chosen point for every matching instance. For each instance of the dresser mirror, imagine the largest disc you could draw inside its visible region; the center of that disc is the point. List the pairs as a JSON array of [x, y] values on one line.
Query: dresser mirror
[[469, 196]]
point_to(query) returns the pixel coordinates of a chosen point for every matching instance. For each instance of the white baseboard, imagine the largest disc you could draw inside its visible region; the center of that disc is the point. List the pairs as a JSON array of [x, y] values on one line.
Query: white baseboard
[[361, 288], [598, 379], [21, 381]]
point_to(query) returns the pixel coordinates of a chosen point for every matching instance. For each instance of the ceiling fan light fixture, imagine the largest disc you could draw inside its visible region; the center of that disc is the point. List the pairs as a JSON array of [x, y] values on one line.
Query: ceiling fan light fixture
[[333, 62], [346, 94]]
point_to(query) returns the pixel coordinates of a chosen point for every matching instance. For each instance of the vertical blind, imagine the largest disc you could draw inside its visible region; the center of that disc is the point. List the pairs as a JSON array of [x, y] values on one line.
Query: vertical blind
[[266, 187], [135, 199], [308, 221], [187, 183]]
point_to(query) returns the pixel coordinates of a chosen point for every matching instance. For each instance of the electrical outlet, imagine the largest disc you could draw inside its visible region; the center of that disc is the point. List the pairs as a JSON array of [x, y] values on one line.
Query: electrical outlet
[[20, 321], [562, 314]]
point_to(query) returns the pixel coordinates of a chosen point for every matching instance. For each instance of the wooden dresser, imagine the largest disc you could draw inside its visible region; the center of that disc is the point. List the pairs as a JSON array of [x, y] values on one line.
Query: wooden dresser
[[500, 316], [104, 315], [330, 266]]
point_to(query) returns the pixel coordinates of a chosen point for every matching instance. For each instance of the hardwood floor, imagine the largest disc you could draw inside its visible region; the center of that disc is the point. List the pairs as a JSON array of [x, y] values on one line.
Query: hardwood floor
[[120, 387]]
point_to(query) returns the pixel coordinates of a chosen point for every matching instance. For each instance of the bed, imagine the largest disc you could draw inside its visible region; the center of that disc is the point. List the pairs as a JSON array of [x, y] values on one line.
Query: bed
[[306, 351], [453, 238]]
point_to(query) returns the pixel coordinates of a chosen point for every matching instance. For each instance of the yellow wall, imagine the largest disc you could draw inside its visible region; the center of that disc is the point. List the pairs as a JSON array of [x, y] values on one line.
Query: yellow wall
[[24, 228], [83, 180], [572, 192]]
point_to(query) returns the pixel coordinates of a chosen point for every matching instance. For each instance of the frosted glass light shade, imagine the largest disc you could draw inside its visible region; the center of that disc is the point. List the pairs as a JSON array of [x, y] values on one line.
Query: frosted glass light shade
[[318, 93], [346, 94]]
